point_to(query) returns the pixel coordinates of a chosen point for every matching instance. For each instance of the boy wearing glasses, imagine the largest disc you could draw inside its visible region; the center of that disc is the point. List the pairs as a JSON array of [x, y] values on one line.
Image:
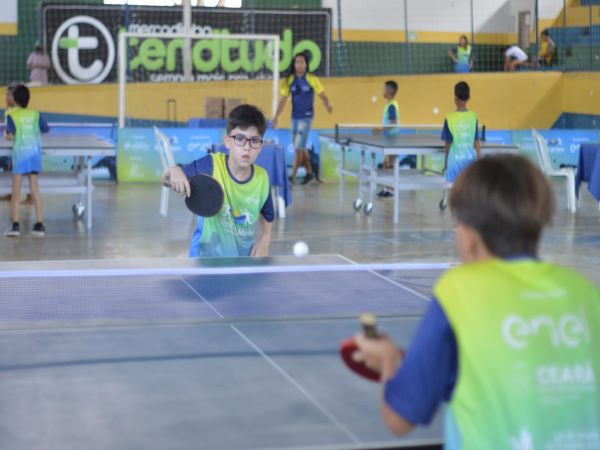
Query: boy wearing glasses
[[231, 232]]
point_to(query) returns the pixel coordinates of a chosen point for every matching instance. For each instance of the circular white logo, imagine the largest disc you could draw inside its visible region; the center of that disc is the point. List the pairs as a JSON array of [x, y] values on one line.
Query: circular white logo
[[72, 43]]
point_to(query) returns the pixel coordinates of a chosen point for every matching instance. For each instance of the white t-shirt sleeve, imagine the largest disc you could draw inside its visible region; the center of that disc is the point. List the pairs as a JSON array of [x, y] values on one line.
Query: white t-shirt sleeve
[[517, 53]]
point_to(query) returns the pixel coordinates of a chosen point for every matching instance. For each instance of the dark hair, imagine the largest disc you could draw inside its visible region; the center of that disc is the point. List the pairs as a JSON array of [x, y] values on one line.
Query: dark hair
[[21, 95], [246, 116], [545, 33], [392, 85], [462, 91], [466, 40], [507, 200], [306, 56]]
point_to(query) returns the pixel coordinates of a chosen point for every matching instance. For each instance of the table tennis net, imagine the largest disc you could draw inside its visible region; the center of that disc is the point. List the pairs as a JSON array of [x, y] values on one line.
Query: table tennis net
[[65, 298]]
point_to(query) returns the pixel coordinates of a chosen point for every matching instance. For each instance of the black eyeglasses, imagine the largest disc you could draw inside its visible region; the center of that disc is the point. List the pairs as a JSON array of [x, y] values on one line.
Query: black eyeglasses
[[240, 140]]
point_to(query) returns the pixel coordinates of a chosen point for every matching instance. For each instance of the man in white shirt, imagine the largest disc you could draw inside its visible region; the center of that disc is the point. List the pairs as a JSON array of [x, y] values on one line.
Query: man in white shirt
[[514, 57]]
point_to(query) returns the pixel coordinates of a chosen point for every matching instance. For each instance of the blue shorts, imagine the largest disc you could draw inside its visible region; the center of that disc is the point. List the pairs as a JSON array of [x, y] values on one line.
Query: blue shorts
[[27, 165], [455, 167], [462, 67], [300, 131]]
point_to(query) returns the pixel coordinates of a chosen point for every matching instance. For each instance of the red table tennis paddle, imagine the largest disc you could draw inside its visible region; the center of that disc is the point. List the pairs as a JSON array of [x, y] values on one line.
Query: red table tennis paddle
[[351, 354]]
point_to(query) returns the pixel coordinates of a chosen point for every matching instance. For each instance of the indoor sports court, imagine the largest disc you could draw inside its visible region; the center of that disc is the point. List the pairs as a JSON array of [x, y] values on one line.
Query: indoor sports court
[[316, 224]]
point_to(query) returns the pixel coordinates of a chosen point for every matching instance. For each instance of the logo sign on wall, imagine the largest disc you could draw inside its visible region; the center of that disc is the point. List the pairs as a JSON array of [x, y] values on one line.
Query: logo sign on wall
[[82, 41]]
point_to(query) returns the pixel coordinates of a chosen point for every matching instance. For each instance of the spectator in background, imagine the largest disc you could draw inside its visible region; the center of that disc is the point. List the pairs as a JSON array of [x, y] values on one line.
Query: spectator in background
[[461, 55], [547, 49], [38, 63], [514, 57]]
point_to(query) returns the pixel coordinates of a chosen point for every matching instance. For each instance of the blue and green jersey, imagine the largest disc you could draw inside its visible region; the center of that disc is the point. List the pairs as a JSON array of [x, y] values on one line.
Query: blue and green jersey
[[391, 116], [231, 231], [26, 125], [463, 59], [461, 130]]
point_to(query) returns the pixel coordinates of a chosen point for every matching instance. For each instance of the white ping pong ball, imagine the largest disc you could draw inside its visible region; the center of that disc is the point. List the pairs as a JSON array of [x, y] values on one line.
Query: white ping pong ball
[[300, 249], [436, 110], [373, 99]]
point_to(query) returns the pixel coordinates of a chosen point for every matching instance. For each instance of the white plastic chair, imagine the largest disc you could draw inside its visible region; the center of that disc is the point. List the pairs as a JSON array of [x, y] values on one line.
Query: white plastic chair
[[167, 160], [567, 173]]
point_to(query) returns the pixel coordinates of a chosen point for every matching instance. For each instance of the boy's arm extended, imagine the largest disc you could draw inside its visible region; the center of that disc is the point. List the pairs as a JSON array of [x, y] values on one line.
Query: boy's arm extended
[[478, 148], [261, 245], [175, 178]]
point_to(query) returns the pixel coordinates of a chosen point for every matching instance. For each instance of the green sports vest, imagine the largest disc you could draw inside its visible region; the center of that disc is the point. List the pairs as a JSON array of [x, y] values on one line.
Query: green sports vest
[[27, 136], [463, 126], [528, 339], [386, 115], [463, 55]]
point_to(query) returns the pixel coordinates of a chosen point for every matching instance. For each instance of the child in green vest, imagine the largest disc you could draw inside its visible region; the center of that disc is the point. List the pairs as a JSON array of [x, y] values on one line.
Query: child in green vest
[[460, 133], [391, 122], [24, 126], [510, 342]]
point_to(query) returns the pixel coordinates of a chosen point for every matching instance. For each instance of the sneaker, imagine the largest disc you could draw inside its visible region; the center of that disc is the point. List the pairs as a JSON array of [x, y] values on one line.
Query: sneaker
[[13, 230], [39, 230], [307, 178]]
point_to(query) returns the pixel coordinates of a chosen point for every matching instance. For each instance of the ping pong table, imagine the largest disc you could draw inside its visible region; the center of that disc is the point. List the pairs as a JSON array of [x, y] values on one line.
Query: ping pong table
[[370, 176], [238, 353], [82, 148]]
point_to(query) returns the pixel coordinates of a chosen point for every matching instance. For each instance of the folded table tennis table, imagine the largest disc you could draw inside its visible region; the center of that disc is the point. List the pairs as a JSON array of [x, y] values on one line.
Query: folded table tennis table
[[197, 353]]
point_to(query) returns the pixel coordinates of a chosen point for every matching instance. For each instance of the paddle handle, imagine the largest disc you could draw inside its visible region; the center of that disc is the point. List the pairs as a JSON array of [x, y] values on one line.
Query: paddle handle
[[369, 325]]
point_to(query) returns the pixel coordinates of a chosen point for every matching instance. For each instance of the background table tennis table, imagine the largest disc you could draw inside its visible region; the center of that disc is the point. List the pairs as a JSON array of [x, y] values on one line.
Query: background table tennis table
[[369, 176], [83, 148], [147, 354]]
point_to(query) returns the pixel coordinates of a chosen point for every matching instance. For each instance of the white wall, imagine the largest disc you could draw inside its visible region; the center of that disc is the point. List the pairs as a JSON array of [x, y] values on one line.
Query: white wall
[[8, 11], [489, 16]]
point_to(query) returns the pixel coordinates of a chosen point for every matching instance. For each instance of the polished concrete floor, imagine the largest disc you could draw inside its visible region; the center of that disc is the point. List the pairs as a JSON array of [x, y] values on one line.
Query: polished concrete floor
[[127, 224]]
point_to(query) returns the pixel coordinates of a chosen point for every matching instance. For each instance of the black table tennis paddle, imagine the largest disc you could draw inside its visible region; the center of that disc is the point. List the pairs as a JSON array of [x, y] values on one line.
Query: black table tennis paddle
[[206, 197]]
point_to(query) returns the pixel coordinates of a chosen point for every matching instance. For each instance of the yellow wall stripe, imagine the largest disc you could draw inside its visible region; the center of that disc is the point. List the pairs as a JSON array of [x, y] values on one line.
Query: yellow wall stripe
[[8, 29]]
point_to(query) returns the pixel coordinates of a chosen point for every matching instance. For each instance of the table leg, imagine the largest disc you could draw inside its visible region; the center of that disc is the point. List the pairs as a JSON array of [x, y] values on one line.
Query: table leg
[[278, 202], [396, 197], [89, 190], [361, 174], [372, 184], [342, 179]]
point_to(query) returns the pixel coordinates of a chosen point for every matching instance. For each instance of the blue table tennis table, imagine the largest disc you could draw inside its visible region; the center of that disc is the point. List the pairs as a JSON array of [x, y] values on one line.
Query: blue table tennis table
[[197, 353], [370, 146]]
